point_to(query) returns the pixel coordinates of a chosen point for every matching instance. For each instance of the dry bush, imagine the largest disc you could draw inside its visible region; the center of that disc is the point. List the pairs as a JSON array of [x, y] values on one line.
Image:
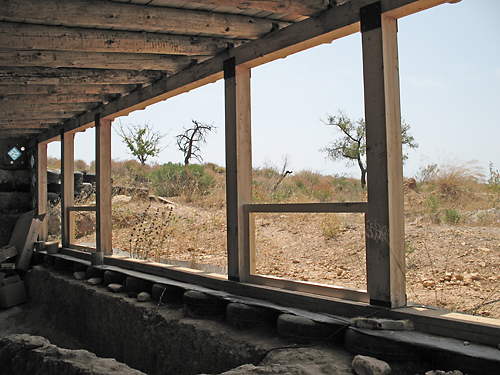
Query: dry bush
[[456, 177]]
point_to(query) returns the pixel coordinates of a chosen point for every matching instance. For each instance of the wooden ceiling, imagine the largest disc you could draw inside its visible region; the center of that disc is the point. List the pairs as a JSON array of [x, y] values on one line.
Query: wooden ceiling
[[60, 59]]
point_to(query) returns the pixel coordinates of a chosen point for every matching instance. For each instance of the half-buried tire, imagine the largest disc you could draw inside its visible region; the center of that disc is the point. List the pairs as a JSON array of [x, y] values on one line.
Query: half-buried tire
[[164, 293], [306, 331], [200, 304], [247, 317]]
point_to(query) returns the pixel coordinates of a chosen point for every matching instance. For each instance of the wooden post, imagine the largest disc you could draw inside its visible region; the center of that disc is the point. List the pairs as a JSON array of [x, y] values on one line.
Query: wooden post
[[104, 243], [68, 188], [238, 162], [384, 219], [41, 178]]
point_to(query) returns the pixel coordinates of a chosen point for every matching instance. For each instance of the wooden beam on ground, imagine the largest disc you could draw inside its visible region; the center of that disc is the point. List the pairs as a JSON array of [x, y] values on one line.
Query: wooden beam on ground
[[331, 24], [68, 188], [104, 223], [58, 38], [98, 60], [384, 219], [54, 89], [302, 7], [238, 162], [89, 13], [70, 76], [41, 184]]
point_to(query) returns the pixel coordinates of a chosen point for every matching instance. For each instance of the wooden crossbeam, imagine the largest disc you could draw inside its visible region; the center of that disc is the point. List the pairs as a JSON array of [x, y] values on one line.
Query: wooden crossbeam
[[58, 38], [81, 89], [40, 115], [108, 14], [98, 60], [13, 108], [55, 98], [24, 125], [302, 7], [69, 76], [30, 123]]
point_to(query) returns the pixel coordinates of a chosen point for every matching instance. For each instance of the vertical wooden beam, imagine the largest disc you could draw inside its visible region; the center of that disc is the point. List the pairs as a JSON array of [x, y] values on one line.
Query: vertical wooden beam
[[104, 242], [238, 163], [384, 219], [68, 188], [41, 178]]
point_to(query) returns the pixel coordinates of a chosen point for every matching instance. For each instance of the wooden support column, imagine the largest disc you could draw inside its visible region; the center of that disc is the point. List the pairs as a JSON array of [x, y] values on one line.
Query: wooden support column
[[68, 188], [104, 243], [238, 162], [41, 179], [384, 219]]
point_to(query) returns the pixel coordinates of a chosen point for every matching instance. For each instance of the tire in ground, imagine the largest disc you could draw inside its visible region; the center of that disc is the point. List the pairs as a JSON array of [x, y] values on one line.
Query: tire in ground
[[164, 293], [247, 317], [307, 331], [200, 304]]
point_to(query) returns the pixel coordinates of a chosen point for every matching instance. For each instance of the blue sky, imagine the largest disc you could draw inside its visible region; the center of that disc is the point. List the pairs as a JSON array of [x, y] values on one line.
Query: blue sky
[[449, 59]]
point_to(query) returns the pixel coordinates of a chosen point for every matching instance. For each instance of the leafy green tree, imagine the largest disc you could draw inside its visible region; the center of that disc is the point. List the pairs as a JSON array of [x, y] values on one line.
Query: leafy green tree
[[142, 141], [352, 142], [191, 140]]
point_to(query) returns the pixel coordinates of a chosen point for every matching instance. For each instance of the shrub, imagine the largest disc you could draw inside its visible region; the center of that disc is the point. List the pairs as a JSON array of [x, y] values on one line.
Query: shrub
[[451, 216], [494, 179], [171, 180]]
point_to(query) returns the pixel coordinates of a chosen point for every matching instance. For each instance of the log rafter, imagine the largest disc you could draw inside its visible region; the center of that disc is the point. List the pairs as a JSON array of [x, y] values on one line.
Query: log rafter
[[92, 13]]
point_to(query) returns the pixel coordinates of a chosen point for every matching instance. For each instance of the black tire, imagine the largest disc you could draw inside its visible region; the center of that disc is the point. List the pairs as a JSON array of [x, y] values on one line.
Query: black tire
[[49, 260], [164, 293], [53, 198], [200, 304], [63, 264], [78, 177], [135, 285], [245, 317], [113, 277], [79, 267], [360, 342], [54, 188], [89, 177], [93, 272], [38, 257], [303, 330], [53, 177]]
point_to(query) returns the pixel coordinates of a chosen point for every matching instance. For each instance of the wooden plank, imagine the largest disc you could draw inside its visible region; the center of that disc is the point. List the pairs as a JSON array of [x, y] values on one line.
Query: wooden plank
[[67, 182], [303, 7], [69, 76], [59, 38], [331, 24], [98, 60], [384, 218], [345, 207], [56, 98], [40, 115], [238, 162], [92, 13], [104, 223], [11, 109], [41, 184], [24, 125], [80, 89]]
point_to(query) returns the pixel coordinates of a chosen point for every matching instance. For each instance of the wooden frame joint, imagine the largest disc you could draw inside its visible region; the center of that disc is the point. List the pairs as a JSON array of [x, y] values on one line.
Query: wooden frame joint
[[230, 68], [371, 17]]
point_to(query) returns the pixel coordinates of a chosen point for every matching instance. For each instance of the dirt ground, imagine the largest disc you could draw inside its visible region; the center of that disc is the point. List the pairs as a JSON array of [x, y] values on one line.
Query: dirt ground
[[452, 266]]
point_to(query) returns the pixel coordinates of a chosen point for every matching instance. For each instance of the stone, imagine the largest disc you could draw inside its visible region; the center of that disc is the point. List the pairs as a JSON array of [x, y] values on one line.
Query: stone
[[94, 281], [116, 288], [143, 297], [363, 365], [80, 275]]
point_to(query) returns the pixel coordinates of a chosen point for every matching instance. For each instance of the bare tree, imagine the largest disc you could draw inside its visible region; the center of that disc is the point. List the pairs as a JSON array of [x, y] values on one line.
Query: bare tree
[[191, 140], [142, 140]]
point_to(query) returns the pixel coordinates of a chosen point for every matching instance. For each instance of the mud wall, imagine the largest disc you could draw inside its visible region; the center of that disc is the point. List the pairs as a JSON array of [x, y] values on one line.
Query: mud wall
[[151, 338]]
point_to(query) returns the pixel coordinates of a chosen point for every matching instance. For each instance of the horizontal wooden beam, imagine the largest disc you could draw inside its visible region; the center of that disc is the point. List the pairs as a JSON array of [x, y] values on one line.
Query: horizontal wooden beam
[[12, 108], [55, 98], [70, 76], [302, 7], [98, 60], [24, 125], [18, 132], [31, 122], [40, 115], [19, 36], [92, 13], [332, 24], [81, 89]]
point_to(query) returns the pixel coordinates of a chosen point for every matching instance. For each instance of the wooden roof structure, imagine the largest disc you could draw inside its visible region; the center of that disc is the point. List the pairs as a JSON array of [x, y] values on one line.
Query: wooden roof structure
[[61, 62]]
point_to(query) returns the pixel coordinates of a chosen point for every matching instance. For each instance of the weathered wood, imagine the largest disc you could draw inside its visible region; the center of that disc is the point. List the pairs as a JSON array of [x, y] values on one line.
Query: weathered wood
[[303, 7], [238, 165], [385, 261], [59, 38], [13, 108], [16, 133], [91, 13], [40, 115], [34, 125], [81, 89], [41, 186], [104, 223], [55, 98], [69, 76], [67, 182], [98, 60]]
